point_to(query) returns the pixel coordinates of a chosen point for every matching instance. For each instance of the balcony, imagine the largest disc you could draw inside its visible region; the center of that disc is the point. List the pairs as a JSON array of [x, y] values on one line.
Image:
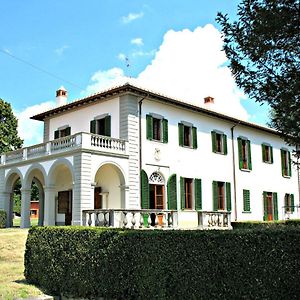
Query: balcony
[[87, 141], [151, 219]]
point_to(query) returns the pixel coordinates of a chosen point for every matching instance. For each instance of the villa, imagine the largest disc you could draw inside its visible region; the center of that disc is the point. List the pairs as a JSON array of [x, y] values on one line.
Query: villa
[[130, 157]]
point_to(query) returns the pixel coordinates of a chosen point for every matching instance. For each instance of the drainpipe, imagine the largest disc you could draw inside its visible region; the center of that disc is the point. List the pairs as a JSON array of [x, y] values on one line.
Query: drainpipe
[[298, 173], [234, 175]]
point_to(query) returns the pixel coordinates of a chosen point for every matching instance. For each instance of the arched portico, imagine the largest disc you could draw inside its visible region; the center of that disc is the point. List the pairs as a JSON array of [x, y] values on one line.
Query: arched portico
[[109, 187]]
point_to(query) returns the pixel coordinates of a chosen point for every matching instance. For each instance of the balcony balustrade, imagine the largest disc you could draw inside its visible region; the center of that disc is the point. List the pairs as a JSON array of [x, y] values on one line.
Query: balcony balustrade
[[69, 143], [214, 220]]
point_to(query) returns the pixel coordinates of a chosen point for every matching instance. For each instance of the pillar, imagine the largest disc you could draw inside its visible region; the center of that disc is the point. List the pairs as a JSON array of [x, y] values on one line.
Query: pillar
[[25, 208], [6, 205], [41, 208], [49, 206]]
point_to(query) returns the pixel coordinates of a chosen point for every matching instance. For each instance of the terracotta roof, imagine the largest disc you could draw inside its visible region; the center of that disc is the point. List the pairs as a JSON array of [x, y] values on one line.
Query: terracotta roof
[[130, 88]]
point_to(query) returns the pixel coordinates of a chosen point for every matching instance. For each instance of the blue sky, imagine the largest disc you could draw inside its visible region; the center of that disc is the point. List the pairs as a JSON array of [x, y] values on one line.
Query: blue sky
[[86, 42]]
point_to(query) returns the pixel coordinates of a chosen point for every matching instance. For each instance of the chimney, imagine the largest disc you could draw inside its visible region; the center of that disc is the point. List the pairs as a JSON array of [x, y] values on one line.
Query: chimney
[[208, 100], [61, 96]]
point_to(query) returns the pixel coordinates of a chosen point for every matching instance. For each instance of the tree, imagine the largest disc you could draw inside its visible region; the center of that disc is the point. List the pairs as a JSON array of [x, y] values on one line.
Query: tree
[[263, 48], [9, 139]]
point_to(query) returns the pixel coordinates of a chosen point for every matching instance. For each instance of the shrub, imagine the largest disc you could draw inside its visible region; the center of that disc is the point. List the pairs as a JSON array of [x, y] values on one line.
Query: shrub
[[2, 218], [256, 224], [133, 264]]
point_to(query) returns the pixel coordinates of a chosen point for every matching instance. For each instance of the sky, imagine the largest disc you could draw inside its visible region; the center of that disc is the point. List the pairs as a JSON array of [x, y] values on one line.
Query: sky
[[173, 47]]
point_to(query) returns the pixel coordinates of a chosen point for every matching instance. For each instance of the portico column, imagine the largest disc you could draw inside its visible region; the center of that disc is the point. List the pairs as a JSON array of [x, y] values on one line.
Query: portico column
[[41, 208], [5, 204], [49, 206], [25, 208]]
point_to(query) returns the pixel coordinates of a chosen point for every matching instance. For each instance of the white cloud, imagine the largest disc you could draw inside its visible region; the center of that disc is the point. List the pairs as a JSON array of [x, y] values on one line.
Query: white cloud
[[122, 56], [60, 51], [143, 53], [137, 42], [30, 130], [131, 17]]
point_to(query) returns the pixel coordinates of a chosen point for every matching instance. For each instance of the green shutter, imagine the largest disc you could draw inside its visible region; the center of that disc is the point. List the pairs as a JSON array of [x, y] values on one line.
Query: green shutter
[[214, 141], [275, 204], [172, 192], [165, 130], [144, 190], [225, 144], [265, 206], [263, 149], [182, 193], [56, 134], [215, 195], [149, 127], [292, 202], [107, 128], [198, 194], [240, 153], [271, 153], [249, 155], [180, 134], [228, 196], [93, 126], [286, 203], [246, 198], [68, 131], [194, 135], [289, 164], [282, 161]]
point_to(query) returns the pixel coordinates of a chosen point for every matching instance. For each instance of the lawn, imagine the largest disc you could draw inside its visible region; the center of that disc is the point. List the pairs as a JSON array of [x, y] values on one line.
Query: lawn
[[17, 221], [12, 281]]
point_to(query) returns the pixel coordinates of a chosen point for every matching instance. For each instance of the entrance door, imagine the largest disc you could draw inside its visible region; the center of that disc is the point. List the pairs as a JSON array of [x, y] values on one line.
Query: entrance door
[[65, 205], [156, 201], [270, 206], [97, 198]]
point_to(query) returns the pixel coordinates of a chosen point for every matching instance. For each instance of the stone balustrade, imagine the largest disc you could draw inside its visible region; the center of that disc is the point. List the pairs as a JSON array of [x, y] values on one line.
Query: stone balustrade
[[290, 212], [69, 143], [130, 218], [214, 220]]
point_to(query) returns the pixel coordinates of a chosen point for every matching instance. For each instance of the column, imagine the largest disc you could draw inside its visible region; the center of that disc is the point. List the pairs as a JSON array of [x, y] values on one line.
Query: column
[[25, 208], [41, 208], [5, 204], [49, 206]]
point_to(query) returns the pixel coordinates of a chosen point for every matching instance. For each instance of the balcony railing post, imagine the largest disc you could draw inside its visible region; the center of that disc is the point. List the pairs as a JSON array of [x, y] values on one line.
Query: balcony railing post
[[48, 148], [3, 159], [25, 151]]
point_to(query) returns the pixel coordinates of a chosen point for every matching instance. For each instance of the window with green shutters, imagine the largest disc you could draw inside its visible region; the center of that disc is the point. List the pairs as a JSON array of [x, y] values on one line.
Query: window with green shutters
[[267, 153], [286, 163], [62, 132], [246, 201], [190, 193], [172, 192], [219, 142], [156, 129], [270, 204], [101, 126], [187, 136], [244, 149], [221, 195], [145, 193], [289, 203]]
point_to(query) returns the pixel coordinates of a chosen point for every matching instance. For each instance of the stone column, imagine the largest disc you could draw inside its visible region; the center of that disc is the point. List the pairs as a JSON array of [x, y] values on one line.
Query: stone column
[[41, 208], [25, 208], [6, 205], [49, 206]]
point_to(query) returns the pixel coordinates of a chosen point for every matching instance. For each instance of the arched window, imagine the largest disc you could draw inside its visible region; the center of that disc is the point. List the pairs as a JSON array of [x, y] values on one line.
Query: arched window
[[156, 178]]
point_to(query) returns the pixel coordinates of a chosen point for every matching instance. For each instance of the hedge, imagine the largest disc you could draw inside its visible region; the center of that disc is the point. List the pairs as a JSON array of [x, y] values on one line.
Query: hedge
[[263, 225], [2, 218], [132, 264]]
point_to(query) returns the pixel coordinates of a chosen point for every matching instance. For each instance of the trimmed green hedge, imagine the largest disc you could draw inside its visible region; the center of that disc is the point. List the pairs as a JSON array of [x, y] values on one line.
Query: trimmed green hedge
[[2, 218], [133, 264], [264, 225]]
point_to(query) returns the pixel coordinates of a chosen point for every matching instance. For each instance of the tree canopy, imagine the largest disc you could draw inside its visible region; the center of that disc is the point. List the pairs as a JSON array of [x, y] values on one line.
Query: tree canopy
[[9, 139], [263, 48]]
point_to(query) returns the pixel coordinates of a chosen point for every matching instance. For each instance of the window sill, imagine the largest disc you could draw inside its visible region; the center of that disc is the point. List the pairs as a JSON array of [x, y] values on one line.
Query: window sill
[[246, 212], [287, 177], [268, 162], [188, 147], [245, 170], [221, 153]]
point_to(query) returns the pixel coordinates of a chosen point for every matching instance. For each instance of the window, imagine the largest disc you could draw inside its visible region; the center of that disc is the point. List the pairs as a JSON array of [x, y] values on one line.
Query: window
[[246, 200], [191, 193], [157, 128], [187, 135], [286, 163], [267, 153], [289, 205], [244, 154], [219, 142], [101, 126], [62, 132], [270, 206], [221, 196]]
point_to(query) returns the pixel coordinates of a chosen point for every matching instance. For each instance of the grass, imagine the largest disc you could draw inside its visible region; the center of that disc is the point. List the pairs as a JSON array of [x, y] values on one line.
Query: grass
[[17, 221], [12, 281]]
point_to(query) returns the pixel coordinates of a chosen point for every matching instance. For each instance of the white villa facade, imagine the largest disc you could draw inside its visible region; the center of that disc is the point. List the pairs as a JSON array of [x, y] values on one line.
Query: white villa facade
[[131, 157]]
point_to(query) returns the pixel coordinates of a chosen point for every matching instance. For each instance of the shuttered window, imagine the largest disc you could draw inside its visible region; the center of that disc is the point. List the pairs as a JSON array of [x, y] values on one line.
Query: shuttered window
[[145, 199], [59, 133], [190, 193], [156, 129], [246, 200], [219, 142], [267, 153], [101, 126], [187, 136], [286, 167], [270, 204], [289, 203], [244, 148], [198, 193], [221, 195], [172, 192]]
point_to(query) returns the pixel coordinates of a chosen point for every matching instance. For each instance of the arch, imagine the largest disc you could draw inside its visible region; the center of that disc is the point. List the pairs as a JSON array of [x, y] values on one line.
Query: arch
[[59, 162], [156, 178], [29, 175], [11, 177]]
